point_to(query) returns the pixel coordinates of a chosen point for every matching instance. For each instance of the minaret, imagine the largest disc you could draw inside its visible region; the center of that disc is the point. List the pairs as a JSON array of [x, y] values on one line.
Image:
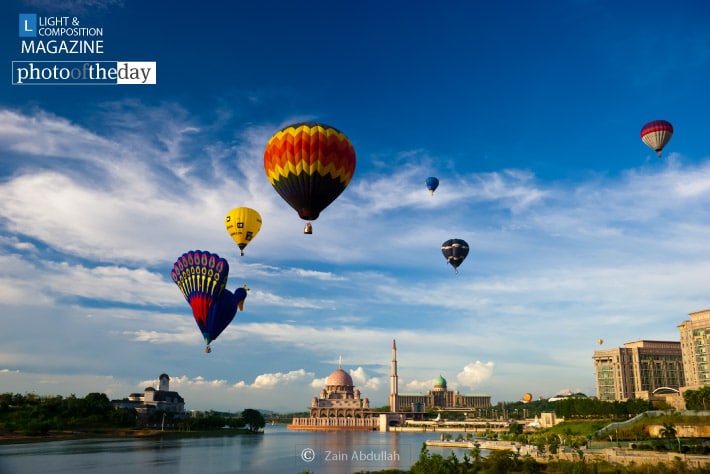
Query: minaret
[[394, 392]]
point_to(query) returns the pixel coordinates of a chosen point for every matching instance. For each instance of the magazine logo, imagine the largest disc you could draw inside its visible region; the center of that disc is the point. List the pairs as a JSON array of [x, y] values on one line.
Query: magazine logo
[[83, 72], [28, 25], [62, 37]]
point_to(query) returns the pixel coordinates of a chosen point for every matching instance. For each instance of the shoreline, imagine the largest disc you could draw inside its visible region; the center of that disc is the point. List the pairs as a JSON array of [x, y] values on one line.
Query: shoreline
[[18, 438]]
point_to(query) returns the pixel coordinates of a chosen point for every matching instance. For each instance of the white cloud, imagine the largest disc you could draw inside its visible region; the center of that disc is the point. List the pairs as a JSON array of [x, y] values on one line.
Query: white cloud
[[418, 386], [363, 381], [475, 373], [270, 381]]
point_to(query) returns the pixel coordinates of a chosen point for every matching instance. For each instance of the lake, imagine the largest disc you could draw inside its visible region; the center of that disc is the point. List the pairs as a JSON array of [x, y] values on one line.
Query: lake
[[278, 450]]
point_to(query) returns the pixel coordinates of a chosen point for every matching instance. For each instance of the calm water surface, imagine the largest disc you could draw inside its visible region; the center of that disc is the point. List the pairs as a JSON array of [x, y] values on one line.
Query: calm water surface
[[277, 451]]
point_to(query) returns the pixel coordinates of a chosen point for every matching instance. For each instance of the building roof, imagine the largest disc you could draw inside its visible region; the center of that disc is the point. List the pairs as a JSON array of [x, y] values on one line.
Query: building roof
[[440, 381], [339, 378]]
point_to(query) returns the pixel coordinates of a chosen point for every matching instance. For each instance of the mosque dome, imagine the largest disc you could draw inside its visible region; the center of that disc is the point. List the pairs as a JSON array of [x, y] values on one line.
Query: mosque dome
[[440, 382], [339, 378]]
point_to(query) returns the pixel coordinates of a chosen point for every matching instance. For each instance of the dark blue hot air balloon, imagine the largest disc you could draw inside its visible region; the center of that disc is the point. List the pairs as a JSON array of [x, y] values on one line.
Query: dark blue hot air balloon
[[432, 183], [455, 252]]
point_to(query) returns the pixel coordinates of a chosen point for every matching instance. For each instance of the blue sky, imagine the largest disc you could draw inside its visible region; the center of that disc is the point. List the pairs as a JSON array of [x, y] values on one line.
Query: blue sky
[[528, 114]]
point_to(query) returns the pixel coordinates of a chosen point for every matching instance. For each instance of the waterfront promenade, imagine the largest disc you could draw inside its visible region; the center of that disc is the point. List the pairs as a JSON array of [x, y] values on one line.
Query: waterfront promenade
[[334, 424], [611, 455]]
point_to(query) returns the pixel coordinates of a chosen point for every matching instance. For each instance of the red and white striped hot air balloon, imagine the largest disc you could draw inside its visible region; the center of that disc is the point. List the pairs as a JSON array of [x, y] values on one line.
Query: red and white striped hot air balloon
[[656, 134]]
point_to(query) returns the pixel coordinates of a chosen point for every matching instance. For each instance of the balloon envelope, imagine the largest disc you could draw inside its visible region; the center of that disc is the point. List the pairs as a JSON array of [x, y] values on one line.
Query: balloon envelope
[[527, 397], [455, 252], [309, 164], [432, 183], [656, 134], [243, 224], [202, 277]]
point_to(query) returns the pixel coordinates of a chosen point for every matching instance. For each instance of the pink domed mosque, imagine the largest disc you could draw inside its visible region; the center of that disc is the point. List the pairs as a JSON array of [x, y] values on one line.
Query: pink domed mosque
[[339, 407]]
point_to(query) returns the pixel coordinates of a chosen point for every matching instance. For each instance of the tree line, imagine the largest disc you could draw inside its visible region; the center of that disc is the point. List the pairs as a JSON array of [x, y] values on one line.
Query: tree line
[[594, 408], [32, 414]]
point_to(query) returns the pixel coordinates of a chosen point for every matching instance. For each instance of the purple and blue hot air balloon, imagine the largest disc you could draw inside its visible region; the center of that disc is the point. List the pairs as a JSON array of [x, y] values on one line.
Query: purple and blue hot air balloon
[[202, 278]]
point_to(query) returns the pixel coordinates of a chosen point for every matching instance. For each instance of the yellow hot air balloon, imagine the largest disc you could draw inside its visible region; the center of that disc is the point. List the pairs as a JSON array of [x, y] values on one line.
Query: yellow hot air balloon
[[243, 224]]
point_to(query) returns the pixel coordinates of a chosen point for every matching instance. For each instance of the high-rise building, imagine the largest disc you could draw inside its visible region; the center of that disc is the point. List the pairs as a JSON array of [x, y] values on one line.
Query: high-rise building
[[695, 344], [637, 369]]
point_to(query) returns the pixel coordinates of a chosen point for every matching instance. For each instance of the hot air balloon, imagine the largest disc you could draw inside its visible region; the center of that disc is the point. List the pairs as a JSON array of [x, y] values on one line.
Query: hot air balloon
[[309, 164], [202, 278], [455, 251], [656, 134], [600, 341], [527, 398], [432, 183], [243, 224]]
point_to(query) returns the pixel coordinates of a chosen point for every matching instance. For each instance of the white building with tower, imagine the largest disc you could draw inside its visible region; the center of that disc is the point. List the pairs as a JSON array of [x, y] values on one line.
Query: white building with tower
[[154, 399]]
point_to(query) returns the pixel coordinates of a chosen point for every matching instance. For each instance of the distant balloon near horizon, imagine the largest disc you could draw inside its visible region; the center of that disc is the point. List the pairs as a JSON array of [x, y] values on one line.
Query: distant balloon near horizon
[[527, 398], [432, 183], [309, 164], [656, 134], [455, 252], [600, 341], [243, 224]]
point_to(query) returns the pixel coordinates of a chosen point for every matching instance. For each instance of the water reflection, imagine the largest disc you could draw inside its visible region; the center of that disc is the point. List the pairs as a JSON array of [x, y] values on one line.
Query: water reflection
[[278, 450]]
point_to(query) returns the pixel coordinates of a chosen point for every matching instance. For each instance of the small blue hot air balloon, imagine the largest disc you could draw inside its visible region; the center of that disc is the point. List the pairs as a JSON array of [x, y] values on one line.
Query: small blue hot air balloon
[[432, 183]]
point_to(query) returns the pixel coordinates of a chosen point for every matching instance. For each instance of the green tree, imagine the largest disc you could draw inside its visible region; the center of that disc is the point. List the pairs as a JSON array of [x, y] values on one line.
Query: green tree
[[253, 419], [429, 463], [669, 433], [501, 462], [697, 399], [515, 429], [476, 459]]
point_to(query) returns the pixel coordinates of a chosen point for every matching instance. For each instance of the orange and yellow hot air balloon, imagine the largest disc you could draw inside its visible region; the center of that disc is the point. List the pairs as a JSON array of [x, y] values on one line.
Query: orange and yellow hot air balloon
[[309, 164]]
